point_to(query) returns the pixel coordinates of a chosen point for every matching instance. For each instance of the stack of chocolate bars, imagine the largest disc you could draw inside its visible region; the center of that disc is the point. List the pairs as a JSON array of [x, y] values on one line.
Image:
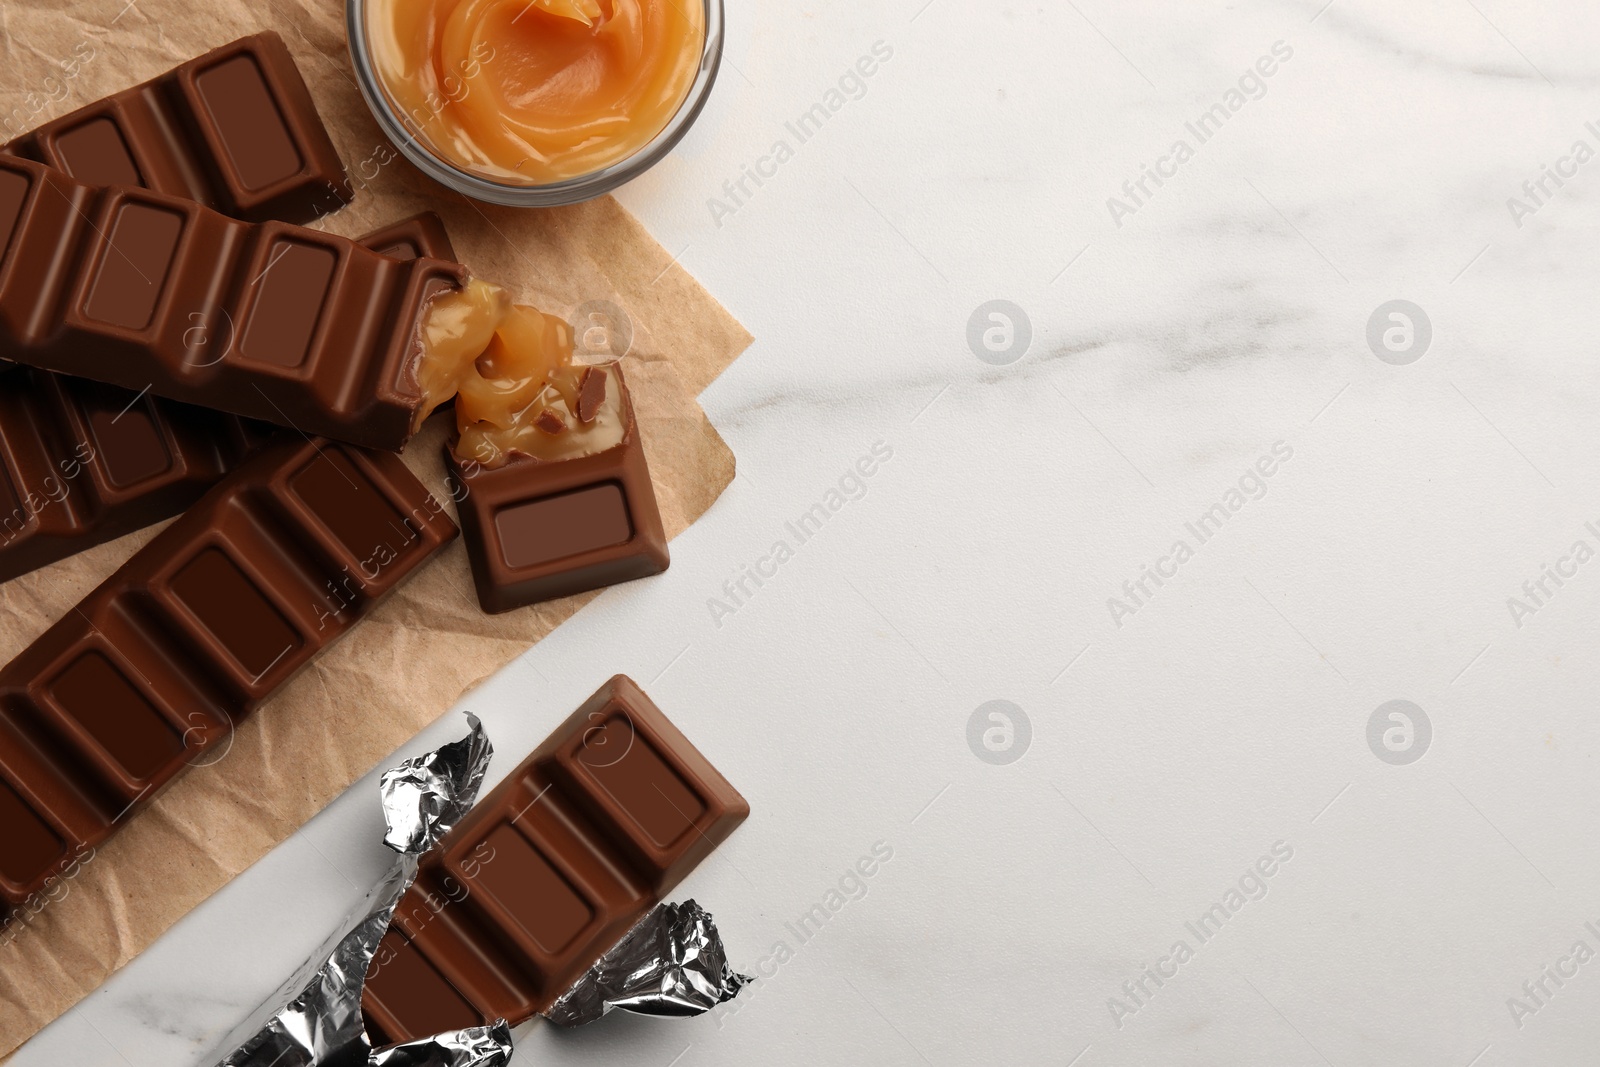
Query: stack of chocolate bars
[[173, 342]]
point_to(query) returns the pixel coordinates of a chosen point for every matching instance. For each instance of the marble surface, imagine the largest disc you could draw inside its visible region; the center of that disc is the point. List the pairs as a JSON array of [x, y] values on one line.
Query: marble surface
[[1182, 738]]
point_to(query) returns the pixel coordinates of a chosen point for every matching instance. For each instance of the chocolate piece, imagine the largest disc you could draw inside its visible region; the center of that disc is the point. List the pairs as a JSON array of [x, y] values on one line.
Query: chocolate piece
[[422, 236], [234, 129], [591, 393], [82, 463], [550, 422], [270, 321], [549, 871], [540, 529], [153, 668]]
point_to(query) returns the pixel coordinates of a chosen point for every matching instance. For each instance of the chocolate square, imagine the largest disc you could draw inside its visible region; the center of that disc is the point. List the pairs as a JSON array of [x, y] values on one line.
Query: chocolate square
[[536, 529]]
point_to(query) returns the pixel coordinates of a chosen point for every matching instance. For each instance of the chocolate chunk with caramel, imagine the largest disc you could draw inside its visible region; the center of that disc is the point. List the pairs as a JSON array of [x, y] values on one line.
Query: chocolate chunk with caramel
[[591, 393], [550, 422]]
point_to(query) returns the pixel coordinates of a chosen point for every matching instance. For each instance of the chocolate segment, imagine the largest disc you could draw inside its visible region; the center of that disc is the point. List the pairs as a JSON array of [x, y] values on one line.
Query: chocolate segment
[[591, 394], [422, 236], [82, 463], [234, 129], [549, 871], [538, 529], [269, 321], [155, 666]]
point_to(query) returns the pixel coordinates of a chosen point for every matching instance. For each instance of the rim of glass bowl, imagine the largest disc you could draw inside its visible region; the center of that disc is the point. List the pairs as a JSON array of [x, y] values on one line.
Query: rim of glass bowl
[[570, 191]]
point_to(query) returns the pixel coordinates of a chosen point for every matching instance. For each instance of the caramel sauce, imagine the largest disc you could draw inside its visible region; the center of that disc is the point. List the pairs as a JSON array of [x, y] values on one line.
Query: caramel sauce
[[536, 91], [510, 368]]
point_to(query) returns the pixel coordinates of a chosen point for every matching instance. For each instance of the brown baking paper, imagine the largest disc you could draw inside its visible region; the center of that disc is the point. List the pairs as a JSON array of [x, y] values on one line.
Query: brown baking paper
[[414, 657]]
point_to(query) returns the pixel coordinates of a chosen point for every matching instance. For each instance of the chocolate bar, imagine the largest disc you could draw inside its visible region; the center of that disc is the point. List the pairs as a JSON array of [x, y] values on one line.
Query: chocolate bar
[[234, 129], [549, 871], [269, 321], [537, 528], [82, 463], [155, 666]]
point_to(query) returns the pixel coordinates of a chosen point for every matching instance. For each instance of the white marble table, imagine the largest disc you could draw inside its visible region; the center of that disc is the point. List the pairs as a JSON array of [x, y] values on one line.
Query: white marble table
[[1185, 735]]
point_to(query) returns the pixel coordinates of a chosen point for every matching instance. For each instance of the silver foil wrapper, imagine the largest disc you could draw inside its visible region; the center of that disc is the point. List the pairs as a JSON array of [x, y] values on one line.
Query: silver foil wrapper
[[671, 964], [314, 1020], [424, 798], [481, 1046]]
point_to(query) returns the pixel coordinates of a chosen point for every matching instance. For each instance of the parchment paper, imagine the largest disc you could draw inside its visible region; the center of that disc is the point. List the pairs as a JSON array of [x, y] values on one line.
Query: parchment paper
[[410, 661]]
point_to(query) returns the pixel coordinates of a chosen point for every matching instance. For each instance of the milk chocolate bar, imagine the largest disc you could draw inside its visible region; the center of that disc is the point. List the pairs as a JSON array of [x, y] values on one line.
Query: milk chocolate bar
[[234, 129], [266, 320], [152, 669], [549, 871], [82, 463], [538, 529]]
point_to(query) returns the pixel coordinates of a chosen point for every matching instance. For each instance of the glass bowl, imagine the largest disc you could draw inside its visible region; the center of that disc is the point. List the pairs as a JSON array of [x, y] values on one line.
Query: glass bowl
[[570, 190]]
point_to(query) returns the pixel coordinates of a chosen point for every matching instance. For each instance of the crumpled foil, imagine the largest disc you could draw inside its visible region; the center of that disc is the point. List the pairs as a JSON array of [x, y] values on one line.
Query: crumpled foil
[[672, 963], [314, 1020], [424, 798], [481, 1046]]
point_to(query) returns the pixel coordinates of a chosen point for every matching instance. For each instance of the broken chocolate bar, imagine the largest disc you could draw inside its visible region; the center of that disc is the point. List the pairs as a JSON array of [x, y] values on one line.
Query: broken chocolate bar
[[155, 666], [234, 129], [82, 463], [274, 322], [549, 871], [550, 526]]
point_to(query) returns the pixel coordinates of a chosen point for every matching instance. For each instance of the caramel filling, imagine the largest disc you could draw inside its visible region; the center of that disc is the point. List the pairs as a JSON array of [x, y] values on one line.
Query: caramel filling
[[517, 388], [531, 92]]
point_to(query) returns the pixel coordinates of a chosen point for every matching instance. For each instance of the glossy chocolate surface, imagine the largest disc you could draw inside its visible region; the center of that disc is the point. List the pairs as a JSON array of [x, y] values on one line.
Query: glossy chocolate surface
[[536, 529], [82, 463], [422, 236], [154, 667], [550, 870], [291, 326], [234, 129]]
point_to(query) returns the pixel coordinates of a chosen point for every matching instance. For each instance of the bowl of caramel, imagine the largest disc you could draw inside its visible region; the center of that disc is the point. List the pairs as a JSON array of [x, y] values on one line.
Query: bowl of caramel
[[535, 103]]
